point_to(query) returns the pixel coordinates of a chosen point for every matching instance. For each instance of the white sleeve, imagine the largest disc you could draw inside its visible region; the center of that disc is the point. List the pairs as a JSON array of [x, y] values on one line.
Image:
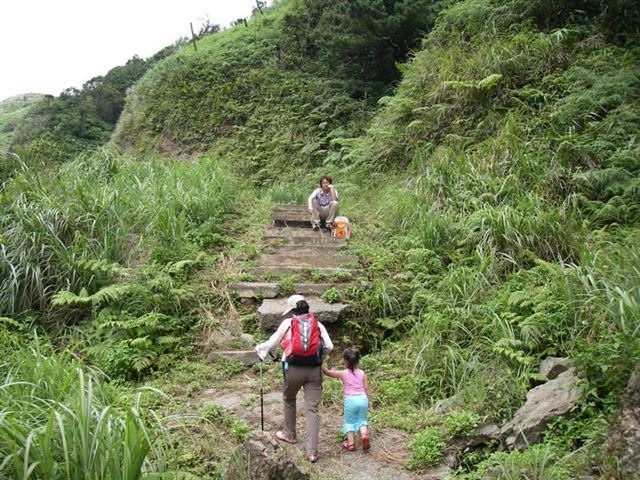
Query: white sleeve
[[312, 196], [270, 345], [328, 344]]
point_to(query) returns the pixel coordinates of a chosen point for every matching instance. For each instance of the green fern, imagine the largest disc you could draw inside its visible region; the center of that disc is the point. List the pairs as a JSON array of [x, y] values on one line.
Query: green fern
[[104, 267], [485, 85], [108, 294]]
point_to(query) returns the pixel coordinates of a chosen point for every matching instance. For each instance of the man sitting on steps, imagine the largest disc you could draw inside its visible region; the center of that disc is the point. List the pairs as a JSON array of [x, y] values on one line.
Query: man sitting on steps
[[323, 204]]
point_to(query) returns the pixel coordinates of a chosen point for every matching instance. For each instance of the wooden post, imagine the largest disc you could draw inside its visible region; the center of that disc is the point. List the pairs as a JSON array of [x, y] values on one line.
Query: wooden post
[[193, 37]]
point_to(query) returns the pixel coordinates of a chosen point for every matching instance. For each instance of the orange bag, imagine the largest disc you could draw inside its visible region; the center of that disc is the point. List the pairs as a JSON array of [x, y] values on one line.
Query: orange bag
[[341, 228]]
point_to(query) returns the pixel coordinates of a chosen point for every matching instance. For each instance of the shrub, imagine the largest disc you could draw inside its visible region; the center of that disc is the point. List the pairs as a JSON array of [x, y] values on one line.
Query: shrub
[[462, 423], [538, 462], [426, 449]]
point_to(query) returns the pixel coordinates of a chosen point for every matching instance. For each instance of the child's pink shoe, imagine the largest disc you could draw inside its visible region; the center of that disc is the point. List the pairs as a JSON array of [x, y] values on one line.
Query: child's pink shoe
[[366, 443], [349, 447]]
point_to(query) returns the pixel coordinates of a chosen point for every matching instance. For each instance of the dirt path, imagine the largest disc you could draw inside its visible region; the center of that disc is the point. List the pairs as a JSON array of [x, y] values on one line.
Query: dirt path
[[385, 460]]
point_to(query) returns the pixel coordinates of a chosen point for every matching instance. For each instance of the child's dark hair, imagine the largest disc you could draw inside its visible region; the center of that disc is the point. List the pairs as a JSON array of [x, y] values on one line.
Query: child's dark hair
[[301, 307], [352, 357]]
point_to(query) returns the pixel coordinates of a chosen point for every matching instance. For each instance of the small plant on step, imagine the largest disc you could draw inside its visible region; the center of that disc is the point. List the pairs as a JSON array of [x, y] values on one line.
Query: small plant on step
[[287, 284], [332, 295], [341, 276], [316, 275]]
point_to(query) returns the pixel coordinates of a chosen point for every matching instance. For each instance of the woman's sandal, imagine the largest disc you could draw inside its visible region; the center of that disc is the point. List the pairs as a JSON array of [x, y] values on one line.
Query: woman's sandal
[[366, 443], [349, 447], [283, 438]]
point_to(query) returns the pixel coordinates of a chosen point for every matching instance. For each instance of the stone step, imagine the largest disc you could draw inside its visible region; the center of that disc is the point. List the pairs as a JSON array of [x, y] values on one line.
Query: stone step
[[301, 242], [255, 289], [270, 312], [296, 216], [273, 289], [284, 232], [306, 250], [291, 207], [292, 222], [245, 357], [300, 234], [298, 270], [311, 260]]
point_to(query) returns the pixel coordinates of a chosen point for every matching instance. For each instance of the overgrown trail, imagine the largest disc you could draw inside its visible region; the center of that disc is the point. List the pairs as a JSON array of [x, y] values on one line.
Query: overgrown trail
[[296, 259], [384, 461]]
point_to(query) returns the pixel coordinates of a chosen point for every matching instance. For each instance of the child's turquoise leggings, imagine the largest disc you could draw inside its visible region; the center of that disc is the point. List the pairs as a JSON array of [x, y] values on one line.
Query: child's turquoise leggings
[[355, 412]]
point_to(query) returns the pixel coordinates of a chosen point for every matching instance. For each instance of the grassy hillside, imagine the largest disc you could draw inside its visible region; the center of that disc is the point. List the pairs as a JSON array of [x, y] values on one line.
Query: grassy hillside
[[12, 111], [503, 242], [492, 176], [288, 89]]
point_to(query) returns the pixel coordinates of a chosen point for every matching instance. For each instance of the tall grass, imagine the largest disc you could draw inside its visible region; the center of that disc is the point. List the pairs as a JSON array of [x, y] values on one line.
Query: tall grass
[[608, 344], [104, 207], [59, 421]]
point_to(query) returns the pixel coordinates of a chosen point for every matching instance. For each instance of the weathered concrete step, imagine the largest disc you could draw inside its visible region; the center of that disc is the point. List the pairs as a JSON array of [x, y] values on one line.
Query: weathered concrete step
[[305, 250], [245, 357], [273, 289], [279, 232], [296, 216], [290, 207], [270, 312], [293, 234], [292, 222], [308, 261], [298, 270], [303, 242], [255, 289]]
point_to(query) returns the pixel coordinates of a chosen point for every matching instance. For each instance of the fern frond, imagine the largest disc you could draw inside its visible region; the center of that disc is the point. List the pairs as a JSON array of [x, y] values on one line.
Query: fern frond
[[111, 293], [102, 266], [66, 298], [9, 321]]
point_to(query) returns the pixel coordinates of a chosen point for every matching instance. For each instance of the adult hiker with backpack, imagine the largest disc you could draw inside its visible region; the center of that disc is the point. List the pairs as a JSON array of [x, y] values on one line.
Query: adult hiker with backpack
[[305, 342]]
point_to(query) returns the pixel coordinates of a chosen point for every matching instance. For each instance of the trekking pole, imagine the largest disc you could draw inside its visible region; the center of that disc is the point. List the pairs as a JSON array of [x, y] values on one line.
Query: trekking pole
[[261, 401]]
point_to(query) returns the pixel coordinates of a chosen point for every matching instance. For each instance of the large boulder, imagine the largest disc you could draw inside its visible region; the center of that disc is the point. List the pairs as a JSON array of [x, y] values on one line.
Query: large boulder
[[551, 367], [261, 457], [552, 399], [624, 439], [270, 312]]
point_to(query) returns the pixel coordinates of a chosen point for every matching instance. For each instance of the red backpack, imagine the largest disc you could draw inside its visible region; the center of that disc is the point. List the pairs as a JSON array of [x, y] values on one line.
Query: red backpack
[[305, 347]]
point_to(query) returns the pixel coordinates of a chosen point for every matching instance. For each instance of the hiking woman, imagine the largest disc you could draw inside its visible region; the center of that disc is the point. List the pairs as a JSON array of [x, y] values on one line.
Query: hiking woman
[[356, 399], [305, 342], [323, 204]]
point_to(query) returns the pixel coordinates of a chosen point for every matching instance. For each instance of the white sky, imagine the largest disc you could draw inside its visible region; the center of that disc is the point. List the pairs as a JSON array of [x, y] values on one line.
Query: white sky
[[49, 45]]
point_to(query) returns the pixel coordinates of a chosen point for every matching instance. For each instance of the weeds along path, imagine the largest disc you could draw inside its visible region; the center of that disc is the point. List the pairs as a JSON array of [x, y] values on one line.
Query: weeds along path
[[293, 258]]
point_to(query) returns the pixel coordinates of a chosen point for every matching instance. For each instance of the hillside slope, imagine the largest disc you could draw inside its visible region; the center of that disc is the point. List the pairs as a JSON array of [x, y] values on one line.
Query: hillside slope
[[287, 89], [12, 110], [487, 154]]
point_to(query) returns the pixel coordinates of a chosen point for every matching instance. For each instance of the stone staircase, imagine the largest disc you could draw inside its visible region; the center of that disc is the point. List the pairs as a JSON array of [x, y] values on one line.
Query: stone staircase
[[296, 259]]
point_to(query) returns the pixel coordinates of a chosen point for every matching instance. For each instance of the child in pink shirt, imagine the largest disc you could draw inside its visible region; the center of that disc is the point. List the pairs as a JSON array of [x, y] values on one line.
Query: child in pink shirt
[[356, 399]]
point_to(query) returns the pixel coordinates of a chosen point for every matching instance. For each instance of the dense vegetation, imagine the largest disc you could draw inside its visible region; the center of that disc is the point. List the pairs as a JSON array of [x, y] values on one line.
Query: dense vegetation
[[486, 150]]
